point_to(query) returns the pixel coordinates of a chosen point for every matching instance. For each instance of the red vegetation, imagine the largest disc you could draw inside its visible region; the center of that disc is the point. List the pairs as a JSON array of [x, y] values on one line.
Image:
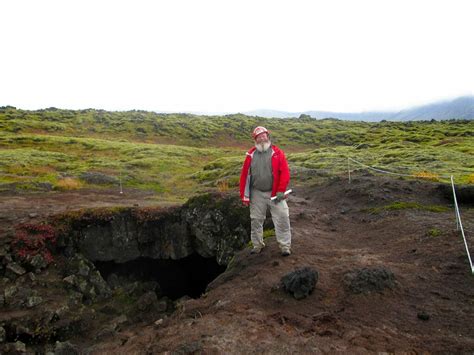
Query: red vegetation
[[34, 239]]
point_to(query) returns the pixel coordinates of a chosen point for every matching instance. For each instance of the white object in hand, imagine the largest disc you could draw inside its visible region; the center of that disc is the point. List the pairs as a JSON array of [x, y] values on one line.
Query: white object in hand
[[287, 192]]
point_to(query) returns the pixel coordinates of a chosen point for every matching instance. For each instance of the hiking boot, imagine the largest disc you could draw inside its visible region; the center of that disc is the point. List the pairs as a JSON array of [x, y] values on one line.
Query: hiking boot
[[285, 252]]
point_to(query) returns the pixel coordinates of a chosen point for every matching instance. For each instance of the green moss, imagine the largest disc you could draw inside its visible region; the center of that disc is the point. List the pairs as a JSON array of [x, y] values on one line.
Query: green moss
[[396, 206], [434, 232]]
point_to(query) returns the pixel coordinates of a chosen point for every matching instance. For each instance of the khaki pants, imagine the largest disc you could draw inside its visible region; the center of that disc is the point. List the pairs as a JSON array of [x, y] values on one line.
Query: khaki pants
[[259, 202]]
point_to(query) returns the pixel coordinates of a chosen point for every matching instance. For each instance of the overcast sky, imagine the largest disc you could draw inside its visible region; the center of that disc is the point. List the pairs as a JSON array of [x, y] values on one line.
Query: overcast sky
[[231, 56]]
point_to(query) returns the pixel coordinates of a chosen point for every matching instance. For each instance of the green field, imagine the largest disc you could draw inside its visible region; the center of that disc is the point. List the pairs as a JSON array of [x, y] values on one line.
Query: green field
[[180, 154]]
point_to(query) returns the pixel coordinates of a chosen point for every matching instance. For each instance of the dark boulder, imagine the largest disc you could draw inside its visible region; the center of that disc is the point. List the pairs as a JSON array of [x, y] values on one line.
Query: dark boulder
[[301, 282]]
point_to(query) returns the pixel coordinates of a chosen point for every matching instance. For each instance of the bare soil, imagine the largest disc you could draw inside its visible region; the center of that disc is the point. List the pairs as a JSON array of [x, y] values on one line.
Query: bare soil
[[334, 232]]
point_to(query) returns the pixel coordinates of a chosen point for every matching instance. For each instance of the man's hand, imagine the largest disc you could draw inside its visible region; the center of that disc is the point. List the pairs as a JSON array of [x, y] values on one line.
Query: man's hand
[[246, 203], [280, 196]]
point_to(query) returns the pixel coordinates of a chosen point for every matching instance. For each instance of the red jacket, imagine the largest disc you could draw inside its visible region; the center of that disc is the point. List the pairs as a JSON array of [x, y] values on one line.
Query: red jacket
[[280, 170]]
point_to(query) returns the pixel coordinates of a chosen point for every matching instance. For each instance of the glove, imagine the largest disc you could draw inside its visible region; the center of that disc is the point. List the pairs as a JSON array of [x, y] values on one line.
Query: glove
[[280, 196]]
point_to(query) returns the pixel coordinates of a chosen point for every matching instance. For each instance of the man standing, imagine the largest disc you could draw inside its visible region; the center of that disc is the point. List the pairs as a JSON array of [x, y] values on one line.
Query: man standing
[[265, 174]]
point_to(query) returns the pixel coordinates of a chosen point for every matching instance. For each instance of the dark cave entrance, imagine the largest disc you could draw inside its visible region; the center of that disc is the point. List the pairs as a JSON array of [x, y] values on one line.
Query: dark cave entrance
[[177, 278]]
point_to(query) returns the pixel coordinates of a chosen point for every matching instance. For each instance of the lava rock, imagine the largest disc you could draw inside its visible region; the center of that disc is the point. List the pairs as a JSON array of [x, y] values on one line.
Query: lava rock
[[367, 280], [211, 225], [301, 282], [13, 270], [86, 279], [37, 262]]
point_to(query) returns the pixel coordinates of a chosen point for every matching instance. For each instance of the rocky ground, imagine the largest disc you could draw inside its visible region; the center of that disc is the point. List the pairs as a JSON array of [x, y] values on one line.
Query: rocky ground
[[388, 280]]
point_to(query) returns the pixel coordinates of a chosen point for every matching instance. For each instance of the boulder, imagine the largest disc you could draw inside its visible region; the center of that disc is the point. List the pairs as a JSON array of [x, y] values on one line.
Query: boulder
[[301, 282]]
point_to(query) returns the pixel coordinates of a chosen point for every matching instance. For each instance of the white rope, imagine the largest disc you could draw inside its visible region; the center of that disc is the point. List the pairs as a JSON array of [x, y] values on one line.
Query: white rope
[[458, 219], [389, 172], [379, 170]]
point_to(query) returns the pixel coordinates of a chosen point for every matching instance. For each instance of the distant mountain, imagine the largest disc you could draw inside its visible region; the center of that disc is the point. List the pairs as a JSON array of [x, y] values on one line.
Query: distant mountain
[[460, 108]]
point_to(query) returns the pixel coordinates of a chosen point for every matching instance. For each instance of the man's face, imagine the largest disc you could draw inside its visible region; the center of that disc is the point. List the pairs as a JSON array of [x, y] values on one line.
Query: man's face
[[262, 138], [262, 142]]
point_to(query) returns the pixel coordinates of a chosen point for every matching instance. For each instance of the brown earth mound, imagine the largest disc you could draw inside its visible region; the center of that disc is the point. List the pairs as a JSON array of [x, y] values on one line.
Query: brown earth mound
[[405, 228]]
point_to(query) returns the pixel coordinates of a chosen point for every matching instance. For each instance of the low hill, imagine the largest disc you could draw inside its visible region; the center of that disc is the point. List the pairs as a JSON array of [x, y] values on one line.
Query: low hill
[[459, 108]]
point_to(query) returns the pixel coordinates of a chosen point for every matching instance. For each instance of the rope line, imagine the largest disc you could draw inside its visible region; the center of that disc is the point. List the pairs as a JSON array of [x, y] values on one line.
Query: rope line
[[379, 170], [390, 172], [458, 219]]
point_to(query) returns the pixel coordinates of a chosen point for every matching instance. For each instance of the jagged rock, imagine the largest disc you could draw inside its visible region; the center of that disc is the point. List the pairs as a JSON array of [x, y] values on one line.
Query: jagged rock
[[65, 348], [37, 262], [301, 282], [366, 280], [99, 284], [85, 278], [2, 300], [211, 225], [219, 224], [33, 301], [13, 270], [3, 335]]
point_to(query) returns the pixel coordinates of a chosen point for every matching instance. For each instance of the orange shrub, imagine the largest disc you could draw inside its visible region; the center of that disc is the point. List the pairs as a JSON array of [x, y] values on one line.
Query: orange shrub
[[223, 186], [69, 183], [470, 179], [427, 175]]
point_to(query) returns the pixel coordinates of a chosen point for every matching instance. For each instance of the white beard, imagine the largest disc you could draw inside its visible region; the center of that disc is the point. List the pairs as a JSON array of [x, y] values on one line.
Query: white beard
[[263, 147]]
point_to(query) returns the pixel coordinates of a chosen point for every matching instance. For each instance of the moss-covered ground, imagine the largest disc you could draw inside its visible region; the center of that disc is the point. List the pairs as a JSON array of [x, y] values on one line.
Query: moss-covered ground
[[176, 155]]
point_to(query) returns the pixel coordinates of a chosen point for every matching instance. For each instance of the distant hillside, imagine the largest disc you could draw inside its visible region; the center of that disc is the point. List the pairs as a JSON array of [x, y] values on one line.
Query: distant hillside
[[460, 108]]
